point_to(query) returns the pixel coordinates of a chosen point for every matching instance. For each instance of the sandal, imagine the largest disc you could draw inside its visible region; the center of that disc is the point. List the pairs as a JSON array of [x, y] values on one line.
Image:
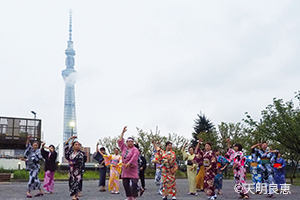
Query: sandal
[[38, 194], [246, 196], [29, 196]]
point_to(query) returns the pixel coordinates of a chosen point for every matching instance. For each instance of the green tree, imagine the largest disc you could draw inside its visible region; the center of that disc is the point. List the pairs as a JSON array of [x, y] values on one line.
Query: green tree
[[110, 143], [280, 125], [204, 129]]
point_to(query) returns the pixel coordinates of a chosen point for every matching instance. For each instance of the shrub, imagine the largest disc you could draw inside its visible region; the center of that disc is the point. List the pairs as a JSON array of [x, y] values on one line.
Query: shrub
[[21, 174]]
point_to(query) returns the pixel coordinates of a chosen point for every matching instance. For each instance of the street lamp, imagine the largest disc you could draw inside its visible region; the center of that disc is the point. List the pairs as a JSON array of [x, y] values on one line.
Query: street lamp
[[34, 113], [72, 124]]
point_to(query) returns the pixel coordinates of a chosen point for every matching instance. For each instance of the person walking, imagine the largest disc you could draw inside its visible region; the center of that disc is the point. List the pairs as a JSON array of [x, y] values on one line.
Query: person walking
[[130, 174], [50, 167]]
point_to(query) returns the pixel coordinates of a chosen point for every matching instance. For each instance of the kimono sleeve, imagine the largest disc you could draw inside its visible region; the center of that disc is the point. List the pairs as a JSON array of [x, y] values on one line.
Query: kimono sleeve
[[184, 154], [121, 144], [44, 153], [67, 151], [230, 155]]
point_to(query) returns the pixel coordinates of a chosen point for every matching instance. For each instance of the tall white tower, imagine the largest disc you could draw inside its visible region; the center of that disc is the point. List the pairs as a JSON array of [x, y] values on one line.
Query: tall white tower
[[69, 76]]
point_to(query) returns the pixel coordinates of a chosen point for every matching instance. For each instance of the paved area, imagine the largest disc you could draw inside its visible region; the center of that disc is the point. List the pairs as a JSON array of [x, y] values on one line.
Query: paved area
[[17, 191]]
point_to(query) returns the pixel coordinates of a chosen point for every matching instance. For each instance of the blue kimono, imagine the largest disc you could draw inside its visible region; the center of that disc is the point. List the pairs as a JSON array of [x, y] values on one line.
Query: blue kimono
[[255, 168], [279, 173], [33, 166], [267, 172], [221, 162]]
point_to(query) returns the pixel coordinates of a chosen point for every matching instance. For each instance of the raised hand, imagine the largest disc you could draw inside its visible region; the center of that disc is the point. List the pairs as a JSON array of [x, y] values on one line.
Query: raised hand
[[228, 140], [124, 129]]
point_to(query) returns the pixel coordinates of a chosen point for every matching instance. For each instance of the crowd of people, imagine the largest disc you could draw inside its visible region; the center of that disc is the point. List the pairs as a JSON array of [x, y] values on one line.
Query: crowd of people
[[205, 168]]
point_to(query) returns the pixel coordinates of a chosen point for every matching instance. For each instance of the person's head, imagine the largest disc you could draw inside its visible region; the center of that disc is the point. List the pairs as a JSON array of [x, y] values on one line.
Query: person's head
[[116, 150], [207, 146], [102, 149], [264, 145], [237, 147], [169, 146], [76, 146], [35, 145], [51, 148], [191, 150], [217, 152], [278, 154], [130, 142]]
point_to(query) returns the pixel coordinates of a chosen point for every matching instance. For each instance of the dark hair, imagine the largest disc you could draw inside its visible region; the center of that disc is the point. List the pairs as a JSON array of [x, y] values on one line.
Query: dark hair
[[191, 147], [167, 143], [264, 142], [117, 148], [102, 149], [51, 145], [208, 144], [216, 150], [239, 146], [75, 142], [36, 142]]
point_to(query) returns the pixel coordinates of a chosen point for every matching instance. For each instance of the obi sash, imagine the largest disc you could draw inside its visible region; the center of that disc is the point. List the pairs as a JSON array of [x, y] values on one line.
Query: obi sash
[[114, 161], [277, 165], [206, 162], [254, 164], [265, 161]]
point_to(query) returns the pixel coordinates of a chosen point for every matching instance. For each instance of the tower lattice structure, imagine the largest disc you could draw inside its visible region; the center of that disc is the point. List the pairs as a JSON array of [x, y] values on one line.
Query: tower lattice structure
[[69, 76]]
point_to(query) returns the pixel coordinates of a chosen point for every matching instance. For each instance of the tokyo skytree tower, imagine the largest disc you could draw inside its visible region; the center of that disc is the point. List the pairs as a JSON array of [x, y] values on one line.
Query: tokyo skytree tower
[[69, 76]]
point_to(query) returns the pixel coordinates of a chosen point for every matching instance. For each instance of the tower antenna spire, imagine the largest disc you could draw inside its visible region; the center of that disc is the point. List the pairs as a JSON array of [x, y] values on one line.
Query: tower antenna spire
[[70, 25]]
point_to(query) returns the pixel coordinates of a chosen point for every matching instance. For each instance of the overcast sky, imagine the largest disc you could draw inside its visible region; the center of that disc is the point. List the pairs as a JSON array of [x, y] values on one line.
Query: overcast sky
[[147, 63]]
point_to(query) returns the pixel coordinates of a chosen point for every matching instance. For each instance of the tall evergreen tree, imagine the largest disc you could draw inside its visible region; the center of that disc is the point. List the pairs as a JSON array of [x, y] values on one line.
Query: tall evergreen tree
[[203, 128]]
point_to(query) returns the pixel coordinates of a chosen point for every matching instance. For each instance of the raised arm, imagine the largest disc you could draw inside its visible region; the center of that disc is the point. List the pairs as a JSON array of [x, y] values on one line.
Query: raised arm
[[98, 150], [72, 137], [28, 140], [122, 134], [259, 144], [228, 143], [155, 145], [198, 145]]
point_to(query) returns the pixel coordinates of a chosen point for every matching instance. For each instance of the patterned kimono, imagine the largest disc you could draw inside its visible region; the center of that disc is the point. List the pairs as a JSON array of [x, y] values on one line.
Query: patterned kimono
[[158, 175], [76, 161], [169, 168], [33, 166], [239, 171], [200, 176], [210, 168], [279, 173], [267, 172], [115, 162], [255, 168], [221, 162], [191, 173]]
